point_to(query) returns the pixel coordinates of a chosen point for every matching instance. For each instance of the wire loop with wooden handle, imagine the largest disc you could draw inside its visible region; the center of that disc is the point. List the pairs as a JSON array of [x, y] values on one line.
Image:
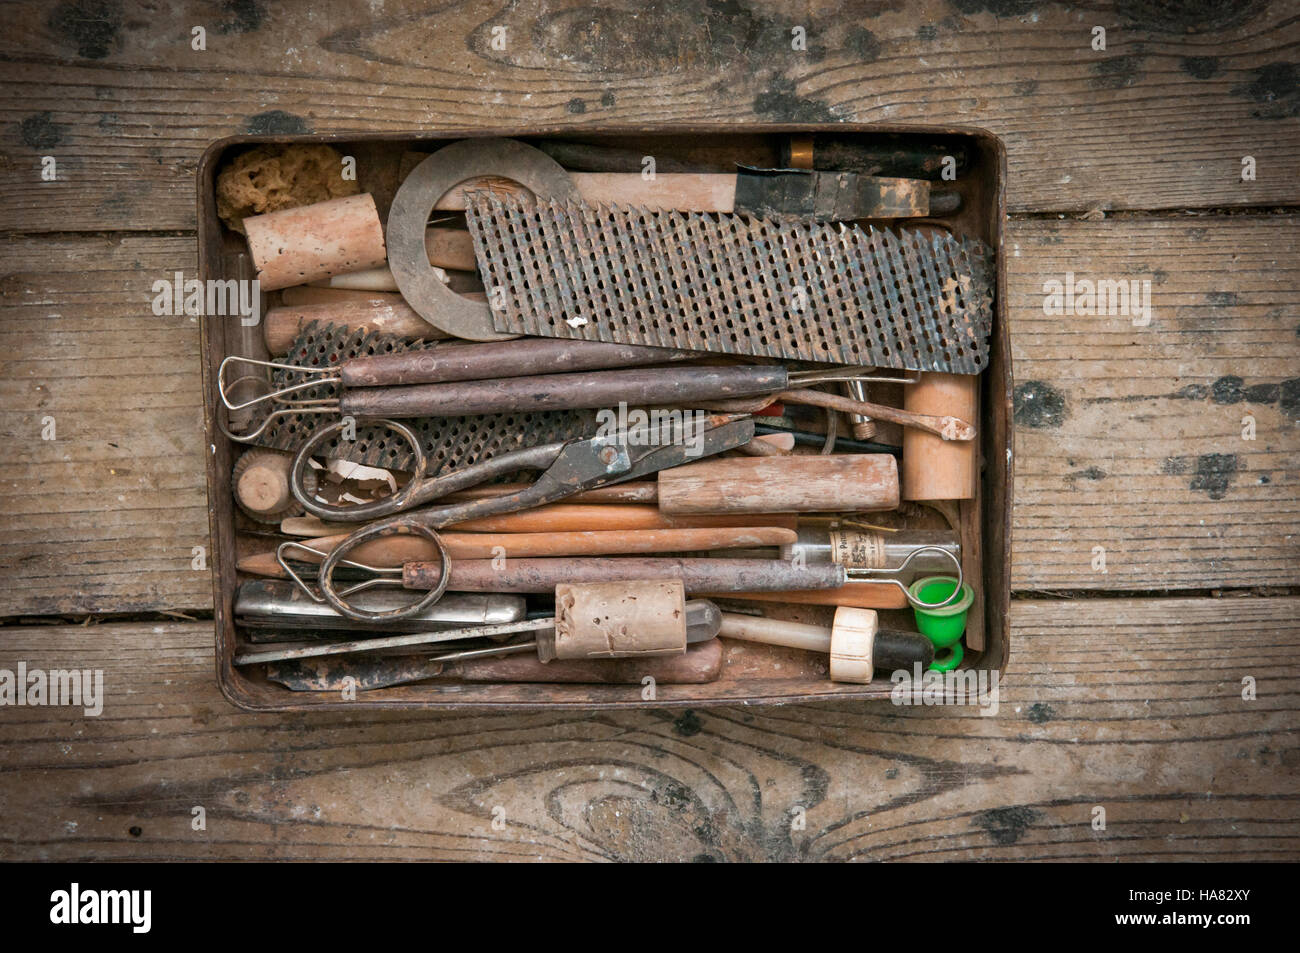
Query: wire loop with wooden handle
[[861, 574]]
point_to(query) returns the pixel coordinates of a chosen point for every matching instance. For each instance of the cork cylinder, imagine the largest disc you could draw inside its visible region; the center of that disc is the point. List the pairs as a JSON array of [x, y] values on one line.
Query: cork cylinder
[[934, 468], [298, 245], [617, 620]]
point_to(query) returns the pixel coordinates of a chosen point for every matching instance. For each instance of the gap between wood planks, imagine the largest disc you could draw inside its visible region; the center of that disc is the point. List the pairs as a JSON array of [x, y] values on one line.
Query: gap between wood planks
[[1237, 211]]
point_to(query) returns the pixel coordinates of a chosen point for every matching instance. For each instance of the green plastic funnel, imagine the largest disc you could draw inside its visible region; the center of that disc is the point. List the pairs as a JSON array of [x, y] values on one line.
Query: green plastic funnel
[[944, 626]]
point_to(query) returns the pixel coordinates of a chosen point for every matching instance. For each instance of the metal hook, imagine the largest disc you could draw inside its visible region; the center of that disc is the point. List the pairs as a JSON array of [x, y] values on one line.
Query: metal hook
[[859, 574], [376, 531], [350, 563], [848, 373], [320, 375], [225, 390]]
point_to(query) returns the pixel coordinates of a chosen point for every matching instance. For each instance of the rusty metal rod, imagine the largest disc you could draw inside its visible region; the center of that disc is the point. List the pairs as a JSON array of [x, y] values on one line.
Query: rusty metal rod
[[481, 362], [697, 574], [563, 391]]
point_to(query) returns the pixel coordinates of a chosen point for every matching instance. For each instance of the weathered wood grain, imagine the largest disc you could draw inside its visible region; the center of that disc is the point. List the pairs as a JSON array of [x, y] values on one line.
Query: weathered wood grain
[[104, 517], [1160, 119], [1128, 437], [1131, 705], [1131, 437]]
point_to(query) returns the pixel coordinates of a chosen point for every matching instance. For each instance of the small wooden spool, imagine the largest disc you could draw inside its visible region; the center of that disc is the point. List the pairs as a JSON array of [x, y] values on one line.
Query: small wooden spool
[[261, 484], [617, 620], [853, 638]]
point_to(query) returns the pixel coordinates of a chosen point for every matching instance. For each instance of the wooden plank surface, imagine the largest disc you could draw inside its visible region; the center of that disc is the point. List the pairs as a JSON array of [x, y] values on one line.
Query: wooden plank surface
[[105, 516], [1161, 118], [1128, 438], [1131, 705]]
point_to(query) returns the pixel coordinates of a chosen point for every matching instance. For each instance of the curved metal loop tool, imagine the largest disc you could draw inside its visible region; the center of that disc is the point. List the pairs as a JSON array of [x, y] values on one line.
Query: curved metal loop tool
[[567, 468], [862, 574], [279, 397], [593, 374]]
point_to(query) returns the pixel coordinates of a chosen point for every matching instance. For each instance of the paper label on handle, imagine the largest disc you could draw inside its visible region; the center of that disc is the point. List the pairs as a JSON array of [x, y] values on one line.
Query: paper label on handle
[[858, 549]]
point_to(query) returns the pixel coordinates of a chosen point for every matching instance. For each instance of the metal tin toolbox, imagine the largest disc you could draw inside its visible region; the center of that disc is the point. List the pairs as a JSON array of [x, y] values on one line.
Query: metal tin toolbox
[[749, 676]]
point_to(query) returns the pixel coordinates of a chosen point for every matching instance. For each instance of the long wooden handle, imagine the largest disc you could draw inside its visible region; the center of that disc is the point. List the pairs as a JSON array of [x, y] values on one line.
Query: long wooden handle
[[563, 517], [636, 388], [281, 326], [697, 575], [794, 635], [396, 550], [568, 517], [806, 483], [693, 191], [524, 357], [701, 192], [858, 595]]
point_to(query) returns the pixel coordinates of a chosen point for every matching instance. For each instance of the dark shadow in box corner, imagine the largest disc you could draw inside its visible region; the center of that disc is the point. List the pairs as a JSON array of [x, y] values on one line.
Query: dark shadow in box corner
[[985, 521]]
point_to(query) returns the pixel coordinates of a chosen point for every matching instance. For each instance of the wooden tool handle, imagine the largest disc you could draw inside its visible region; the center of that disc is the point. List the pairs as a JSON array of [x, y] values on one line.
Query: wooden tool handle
[[693, 191], [668, 385], [283, 325], [567, 517], [395, 550], [559, 517], [611, 542], [861, 595], [859, 481], [450, 248], [794, 635], [488, 362], [891, 197], [700, 664], [300, 295], [698, 575]]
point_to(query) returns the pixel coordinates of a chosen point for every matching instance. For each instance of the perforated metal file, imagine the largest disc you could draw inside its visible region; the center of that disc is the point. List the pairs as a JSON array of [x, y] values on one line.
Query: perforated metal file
[[917, 299]]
